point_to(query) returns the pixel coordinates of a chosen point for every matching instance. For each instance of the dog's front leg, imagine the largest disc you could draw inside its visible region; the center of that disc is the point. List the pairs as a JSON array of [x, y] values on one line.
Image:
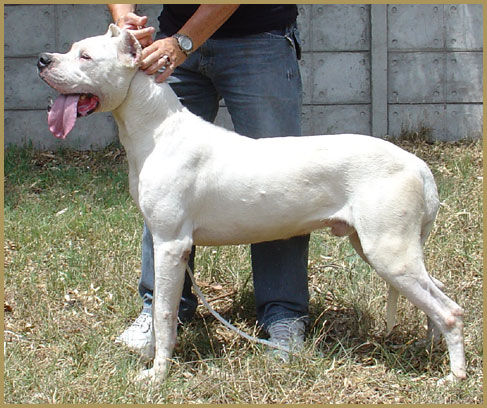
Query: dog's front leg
[[170, 258]]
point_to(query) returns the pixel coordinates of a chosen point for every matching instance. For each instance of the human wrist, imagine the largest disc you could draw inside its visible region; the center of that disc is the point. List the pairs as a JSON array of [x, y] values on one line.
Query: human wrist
[[120, 11], [119, 21], [184, 42]]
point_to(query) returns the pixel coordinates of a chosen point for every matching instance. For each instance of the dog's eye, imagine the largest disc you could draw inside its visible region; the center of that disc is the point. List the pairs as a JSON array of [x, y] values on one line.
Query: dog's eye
[[85, 56]]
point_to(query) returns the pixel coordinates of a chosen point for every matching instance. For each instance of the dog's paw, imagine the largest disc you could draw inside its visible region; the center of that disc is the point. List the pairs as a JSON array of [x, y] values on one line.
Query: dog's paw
[[448, 380], [152, 375], [148, 375]]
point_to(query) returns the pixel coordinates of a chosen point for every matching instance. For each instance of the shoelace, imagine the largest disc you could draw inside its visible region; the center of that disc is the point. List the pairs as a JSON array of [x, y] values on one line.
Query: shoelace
[[286, 329], [143, 322]]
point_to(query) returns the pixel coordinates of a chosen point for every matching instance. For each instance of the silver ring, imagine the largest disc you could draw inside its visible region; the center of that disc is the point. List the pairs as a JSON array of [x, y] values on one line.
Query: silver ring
[[166, 62], [165, 59]]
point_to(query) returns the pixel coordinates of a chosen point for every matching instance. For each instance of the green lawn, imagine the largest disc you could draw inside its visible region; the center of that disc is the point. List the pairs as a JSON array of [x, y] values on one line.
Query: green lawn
[[72, 262]]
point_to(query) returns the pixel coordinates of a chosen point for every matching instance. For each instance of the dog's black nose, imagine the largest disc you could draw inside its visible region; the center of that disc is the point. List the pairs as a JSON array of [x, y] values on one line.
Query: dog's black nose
[[43, 61]]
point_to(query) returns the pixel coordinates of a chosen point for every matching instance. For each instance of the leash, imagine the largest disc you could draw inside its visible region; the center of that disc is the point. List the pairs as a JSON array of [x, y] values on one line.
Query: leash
[[228, 324]]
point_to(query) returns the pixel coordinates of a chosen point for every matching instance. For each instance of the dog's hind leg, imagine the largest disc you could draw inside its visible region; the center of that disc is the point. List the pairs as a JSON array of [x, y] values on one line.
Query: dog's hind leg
[[391, 309], [393, 295], [433, 333], [399, 260]]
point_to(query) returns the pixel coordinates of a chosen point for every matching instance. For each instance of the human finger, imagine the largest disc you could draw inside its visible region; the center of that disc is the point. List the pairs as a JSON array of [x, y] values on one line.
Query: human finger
[[162, 76], [132, 21], [144, 35]]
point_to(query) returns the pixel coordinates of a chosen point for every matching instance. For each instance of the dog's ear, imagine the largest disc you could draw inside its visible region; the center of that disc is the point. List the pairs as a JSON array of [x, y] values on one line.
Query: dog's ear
[[129, 49], [113, 31]]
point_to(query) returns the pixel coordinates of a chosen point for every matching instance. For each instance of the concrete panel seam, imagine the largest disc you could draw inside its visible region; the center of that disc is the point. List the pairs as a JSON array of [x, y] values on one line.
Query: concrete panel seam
[[378, 75]]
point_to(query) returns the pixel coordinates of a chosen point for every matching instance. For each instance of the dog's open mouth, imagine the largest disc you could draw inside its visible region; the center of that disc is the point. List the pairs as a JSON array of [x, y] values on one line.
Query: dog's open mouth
[[62, 115]]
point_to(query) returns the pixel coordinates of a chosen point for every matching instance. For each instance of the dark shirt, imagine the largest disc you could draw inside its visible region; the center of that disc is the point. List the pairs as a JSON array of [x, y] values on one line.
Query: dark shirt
[[248, 19]]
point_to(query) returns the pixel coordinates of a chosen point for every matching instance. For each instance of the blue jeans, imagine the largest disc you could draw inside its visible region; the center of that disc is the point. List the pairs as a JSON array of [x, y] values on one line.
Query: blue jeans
[[258, 77]]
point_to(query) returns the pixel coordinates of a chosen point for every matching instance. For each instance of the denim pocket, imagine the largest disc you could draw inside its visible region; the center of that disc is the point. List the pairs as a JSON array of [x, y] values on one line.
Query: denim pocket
[[292, 36], [297, 42]]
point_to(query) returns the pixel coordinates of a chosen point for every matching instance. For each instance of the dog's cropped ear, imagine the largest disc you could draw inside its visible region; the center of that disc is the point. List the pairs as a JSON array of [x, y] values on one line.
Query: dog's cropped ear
[[129, 49], [113, 31]]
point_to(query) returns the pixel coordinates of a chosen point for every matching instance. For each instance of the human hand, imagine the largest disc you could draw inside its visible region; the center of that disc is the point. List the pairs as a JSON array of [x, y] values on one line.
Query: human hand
[[162, 57], [136, 25]]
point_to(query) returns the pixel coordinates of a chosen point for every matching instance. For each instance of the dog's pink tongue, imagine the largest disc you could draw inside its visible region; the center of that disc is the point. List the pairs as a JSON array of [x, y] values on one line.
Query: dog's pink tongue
[[62, 116]]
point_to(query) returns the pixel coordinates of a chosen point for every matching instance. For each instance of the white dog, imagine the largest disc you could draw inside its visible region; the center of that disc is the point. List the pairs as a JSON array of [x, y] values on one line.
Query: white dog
[[196, 183]]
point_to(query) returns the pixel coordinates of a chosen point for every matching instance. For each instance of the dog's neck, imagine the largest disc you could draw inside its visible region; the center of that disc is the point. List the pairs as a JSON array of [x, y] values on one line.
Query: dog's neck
[[146, 107]]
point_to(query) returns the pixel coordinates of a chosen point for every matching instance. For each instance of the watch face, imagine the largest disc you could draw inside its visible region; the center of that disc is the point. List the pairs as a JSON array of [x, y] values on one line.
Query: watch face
[[186, 43]]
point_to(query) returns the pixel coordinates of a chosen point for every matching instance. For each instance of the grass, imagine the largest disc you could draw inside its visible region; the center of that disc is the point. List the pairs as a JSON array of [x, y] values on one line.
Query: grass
[[72, 261]]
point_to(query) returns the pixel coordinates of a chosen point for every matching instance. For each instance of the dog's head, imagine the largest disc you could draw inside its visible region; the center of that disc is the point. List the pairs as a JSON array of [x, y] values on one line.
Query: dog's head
[[94, 75]]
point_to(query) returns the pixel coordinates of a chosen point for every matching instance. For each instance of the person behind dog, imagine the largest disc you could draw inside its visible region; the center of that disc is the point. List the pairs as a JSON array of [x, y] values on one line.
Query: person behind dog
[[247, 55]]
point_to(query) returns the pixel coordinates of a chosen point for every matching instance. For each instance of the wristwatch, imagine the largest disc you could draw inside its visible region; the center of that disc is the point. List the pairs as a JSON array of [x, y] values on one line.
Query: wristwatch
[[185, 43]]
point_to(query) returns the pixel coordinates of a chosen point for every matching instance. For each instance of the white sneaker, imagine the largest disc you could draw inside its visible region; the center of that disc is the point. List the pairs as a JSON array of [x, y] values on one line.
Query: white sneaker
[[138, 337], [288, 333]]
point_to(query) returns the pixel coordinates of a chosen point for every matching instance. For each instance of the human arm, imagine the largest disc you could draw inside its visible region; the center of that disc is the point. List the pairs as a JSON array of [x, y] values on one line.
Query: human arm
[[207, 19], [124, 16]]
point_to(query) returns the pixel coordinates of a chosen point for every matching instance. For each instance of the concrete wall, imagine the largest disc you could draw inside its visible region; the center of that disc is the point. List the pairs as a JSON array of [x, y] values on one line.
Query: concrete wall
[[376, 69]]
